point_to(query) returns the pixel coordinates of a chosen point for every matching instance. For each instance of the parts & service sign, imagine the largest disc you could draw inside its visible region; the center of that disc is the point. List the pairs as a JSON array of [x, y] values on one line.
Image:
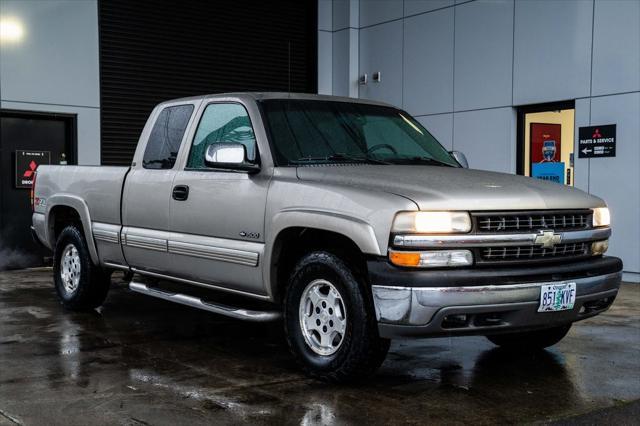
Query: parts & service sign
[[597, 141], [27, 162]]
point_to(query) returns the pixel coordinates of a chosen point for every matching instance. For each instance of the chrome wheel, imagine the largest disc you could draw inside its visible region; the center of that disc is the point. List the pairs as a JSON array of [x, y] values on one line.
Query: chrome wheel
[[70, 268], [323, 318]]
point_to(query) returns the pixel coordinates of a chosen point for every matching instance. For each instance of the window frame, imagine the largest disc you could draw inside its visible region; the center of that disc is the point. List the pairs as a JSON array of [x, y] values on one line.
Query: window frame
[[182, 138], [257, 160]]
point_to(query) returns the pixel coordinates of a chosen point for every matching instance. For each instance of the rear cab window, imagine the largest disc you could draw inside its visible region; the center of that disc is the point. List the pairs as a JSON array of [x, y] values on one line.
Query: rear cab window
[[166, 136]]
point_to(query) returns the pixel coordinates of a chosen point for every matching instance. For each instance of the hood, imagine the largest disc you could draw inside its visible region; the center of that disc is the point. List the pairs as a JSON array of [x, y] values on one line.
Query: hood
[[448, 188]]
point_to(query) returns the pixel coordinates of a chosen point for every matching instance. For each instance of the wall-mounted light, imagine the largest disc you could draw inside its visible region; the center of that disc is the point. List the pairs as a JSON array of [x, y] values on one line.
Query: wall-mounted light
[[377, 77], [11, 30]]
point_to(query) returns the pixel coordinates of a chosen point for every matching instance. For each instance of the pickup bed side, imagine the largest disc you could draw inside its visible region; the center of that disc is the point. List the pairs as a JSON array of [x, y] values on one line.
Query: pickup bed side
[[89, 194]]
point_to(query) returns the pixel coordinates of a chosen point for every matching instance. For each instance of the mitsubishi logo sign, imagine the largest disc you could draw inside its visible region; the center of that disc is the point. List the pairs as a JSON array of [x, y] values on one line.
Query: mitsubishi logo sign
[[31, 170], [547, 239], [27, 161]]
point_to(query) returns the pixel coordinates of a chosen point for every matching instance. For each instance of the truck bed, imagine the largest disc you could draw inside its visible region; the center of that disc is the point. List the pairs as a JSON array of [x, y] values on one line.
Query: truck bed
[[95, 192], [99, 186]]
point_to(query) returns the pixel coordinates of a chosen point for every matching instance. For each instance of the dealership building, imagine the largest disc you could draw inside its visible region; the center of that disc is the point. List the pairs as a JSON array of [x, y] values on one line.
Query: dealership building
[[547, 88]]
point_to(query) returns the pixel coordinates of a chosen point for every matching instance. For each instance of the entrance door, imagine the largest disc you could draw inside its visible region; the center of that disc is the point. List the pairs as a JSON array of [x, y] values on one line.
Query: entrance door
[[546, 142], [26, 141]]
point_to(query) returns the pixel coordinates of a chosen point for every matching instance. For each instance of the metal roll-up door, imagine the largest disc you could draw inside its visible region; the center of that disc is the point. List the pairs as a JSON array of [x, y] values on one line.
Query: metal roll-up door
[[152, 51]]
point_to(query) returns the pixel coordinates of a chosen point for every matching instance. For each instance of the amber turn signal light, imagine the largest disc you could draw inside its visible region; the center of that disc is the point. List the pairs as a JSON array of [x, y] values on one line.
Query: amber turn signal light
[[405, 258], [431, 259]]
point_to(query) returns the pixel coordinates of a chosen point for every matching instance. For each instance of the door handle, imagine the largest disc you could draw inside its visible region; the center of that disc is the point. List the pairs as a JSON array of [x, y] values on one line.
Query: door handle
[[180, 192]]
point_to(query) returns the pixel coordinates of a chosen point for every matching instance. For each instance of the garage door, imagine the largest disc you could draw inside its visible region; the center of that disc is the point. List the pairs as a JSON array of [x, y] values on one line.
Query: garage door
[[151, 51]]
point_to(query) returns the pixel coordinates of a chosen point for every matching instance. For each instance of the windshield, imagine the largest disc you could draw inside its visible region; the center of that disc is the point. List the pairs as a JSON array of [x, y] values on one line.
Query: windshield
[[317, 132]]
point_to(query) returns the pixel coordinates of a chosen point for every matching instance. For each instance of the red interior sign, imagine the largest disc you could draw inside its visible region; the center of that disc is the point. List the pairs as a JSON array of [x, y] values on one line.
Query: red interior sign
[[545, 143]]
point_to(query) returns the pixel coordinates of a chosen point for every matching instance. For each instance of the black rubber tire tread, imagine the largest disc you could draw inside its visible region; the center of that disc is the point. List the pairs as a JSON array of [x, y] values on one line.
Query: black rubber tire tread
[[94, 281], [530, 340], [362, 351]]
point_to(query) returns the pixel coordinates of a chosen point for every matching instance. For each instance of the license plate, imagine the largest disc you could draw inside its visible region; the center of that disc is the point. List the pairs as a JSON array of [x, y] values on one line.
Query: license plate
[[557, 297]]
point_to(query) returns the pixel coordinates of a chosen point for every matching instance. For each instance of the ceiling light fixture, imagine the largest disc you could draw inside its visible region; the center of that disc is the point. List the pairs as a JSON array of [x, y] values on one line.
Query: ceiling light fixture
[[11, 30]]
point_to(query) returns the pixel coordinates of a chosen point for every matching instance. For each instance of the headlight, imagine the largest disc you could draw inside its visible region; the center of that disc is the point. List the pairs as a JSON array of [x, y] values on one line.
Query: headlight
[[432, 222], [601, 217]]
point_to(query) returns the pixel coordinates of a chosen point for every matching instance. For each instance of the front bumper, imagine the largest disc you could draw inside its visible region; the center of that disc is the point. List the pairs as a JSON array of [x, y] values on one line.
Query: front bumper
[[505, 303]]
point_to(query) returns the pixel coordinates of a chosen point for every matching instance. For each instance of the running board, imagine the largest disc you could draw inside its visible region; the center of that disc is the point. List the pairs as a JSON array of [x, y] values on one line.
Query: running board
[[195, 302]]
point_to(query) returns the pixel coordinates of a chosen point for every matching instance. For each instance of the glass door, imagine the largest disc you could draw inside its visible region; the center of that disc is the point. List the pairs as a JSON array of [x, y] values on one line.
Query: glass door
[[546, 148]]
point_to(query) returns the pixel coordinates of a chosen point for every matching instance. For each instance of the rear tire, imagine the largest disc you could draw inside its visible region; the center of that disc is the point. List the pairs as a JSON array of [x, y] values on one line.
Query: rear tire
[[330, 323], [531, 340], [80, 284]]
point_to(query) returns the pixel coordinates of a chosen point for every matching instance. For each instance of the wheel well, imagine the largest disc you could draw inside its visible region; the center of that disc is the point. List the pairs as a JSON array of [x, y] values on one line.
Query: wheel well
[[293, 243], [60, 218]]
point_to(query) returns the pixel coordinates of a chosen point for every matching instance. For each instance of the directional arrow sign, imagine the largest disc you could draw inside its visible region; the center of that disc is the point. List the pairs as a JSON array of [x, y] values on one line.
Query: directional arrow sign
[[597, 141]]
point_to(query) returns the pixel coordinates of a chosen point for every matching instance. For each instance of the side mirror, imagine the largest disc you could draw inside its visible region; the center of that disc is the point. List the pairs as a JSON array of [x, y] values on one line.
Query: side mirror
[[460, 158], [229, 156]]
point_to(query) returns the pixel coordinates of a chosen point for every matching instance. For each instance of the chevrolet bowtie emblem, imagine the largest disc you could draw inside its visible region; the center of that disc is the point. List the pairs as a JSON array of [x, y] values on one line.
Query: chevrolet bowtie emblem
[[547, 239]]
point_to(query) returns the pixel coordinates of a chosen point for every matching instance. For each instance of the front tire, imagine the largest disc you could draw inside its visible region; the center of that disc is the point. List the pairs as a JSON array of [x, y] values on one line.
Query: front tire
[[531, 340], [80, 284], [330, 323]]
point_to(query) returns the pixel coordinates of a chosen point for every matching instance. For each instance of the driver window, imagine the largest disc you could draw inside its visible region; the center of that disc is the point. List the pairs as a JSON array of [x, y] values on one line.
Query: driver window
[[222, 123]]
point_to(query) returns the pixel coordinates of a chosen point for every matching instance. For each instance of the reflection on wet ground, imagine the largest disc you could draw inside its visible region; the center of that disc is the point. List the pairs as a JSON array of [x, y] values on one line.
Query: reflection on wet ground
[[144, 361]]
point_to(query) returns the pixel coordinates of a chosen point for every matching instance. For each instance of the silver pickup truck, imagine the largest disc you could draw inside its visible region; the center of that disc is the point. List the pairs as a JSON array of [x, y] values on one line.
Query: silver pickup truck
[[345, 217]]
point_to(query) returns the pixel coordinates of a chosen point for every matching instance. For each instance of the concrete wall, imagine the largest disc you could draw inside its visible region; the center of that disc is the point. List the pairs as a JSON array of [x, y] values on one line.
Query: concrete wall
[[461, 67], [54, 66]]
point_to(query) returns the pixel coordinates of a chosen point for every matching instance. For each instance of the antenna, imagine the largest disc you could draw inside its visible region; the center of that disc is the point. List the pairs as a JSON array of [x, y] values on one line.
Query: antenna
[[289, 68]]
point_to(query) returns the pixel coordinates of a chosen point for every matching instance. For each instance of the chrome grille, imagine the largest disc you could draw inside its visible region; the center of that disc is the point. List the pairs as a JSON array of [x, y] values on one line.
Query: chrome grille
[[499, 254], [532, 221]]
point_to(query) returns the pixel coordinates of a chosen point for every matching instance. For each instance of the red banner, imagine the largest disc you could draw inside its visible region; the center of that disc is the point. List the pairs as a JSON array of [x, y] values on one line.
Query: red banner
[[545, 143]]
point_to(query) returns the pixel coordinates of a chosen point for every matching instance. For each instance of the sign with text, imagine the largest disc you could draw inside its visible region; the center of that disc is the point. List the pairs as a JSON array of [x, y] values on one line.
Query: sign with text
[[597, 141], [552, 172], [27, 162]]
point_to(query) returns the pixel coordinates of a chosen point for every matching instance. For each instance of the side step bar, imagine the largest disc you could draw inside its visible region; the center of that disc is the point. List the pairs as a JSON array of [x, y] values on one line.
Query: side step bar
[[194, 302]]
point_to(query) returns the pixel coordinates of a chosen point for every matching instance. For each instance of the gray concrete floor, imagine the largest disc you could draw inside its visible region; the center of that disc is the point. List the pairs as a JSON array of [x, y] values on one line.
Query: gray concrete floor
[[145, 361]]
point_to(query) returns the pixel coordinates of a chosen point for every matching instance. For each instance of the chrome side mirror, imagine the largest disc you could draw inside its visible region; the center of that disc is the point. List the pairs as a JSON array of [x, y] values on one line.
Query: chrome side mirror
[[230, 156], [460, 158], [229, 153]]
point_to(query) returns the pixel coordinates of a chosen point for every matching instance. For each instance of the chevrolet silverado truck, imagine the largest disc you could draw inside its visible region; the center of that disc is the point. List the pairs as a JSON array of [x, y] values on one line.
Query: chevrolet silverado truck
[[344, 217]]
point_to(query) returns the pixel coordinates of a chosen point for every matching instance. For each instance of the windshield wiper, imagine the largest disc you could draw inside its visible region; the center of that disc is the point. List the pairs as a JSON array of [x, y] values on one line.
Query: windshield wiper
[[419, 160], [346, 158]]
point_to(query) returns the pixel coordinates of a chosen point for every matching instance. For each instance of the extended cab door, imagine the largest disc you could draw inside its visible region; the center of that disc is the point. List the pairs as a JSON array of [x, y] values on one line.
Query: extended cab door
[[148, 189], [218, 228]]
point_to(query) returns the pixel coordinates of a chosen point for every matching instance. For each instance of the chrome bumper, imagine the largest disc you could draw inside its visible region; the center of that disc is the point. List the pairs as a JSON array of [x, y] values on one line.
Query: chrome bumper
[[424, 311]]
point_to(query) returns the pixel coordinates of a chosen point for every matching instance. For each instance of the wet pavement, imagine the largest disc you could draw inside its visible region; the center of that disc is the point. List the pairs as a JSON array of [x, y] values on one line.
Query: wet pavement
[[145, 361]]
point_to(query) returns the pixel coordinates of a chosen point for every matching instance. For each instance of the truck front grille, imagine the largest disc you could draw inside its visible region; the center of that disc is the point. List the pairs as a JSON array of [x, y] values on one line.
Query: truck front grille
[[505, 222], [526, 253]]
